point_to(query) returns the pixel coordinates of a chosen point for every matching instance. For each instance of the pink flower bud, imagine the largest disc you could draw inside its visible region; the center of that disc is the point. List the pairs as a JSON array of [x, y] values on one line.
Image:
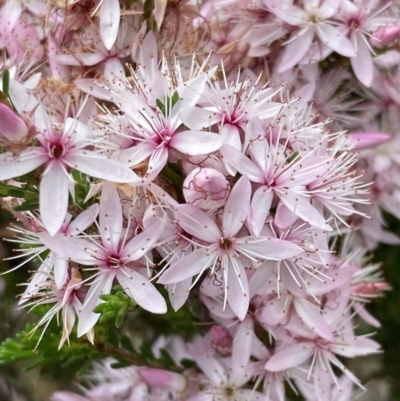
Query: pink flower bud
[[11, 126], [370, 289], [221, 340], [163, 379], [206, 188], [386, 36], [365, 140]]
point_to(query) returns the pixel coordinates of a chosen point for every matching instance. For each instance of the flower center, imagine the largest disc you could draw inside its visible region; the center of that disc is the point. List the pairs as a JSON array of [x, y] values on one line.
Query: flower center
[[56, 150], [113, 261], [226, 243]]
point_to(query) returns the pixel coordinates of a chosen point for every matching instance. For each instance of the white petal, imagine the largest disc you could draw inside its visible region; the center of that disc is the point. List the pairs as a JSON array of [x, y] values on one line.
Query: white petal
[[27, 161], [99, 166], [142, 291], [64, 246], [362, 64], [295, 50], [197, 223], [237, 207], [110, 220], [238, 290], [191, 265], [242, 345], [290, 357], [87, 319], [301, 207], [335, 39], [195, 143], [259, 210], [109, 22], [143, 242], [53, 198], [83, 220]]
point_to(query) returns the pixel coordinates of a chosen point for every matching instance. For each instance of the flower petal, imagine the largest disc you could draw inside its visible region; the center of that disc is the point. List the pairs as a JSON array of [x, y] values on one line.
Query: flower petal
[[290, 357], [12, 126], [197, 223], [83, 220], [53, 198], [109, 22], [142, 291], [99, 166], [237, 207], [187, 267], [110, 219], [195, 143], [101, 285], [267, 248], [15, 166]]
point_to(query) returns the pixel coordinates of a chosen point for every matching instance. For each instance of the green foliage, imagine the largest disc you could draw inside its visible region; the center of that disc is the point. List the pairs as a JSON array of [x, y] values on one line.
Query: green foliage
[[27, 346], [170, 102], [115, 306]]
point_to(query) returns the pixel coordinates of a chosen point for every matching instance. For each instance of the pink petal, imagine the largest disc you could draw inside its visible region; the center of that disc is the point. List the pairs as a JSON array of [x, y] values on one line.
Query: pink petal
[[267, 248], [109, 22], [275, 310], [102, 285], [64, 246], [290, 357], [236, 208], [197, 118], [365, 140], [53, 197], [242, 347], [259, 209], [241, 163], [231, 136], [284, 218], [313, 318], [187, 267], [60, 271], [159, 11], [83, 220], [79, 59], [295, 50], [143, 242], [12, 126], [195, 143], [335, 40], [142, 291], [110, 221], [301, 207], [136, 154], [362, 64], [357, 346], [179, 293], [100, 166], [15, 166], [238, 289], [197, 223], [67, 396]]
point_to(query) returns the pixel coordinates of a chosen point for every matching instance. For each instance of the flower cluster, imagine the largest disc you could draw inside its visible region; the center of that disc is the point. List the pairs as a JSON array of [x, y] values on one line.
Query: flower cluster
[[199, 153]]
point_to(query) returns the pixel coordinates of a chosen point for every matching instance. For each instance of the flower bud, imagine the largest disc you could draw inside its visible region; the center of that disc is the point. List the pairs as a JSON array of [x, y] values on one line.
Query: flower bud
[[365, 140], [386, 36], [206, 188], [163, 379], [11, 126]]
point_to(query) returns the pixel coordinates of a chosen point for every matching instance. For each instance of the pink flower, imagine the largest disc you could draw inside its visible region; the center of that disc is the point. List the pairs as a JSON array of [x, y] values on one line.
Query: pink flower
[[61, 147], [222, 248], [115, 257]]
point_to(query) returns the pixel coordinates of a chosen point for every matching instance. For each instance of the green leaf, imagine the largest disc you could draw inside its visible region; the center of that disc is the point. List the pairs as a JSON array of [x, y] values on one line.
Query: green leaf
[[170, 102], [30, 204], [6, 83], [114, 306]]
